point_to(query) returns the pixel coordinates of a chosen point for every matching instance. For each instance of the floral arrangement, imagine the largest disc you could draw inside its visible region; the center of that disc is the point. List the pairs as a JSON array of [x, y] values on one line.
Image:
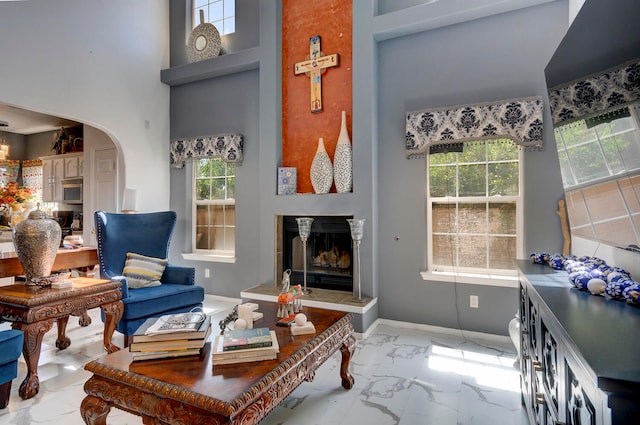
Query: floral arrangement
[[12, 193]]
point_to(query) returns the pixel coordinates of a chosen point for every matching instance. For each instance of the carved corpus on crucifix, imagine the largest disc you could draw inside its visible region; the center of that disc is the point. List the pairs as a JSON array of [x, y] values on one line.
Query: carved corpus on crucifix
[[314, 68]]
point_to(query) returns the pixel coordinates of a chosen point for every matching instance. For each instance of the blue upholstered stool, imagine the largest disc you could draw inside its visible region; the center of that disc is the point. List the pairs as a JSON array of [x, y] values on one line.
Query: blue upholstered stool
[[11, 341]]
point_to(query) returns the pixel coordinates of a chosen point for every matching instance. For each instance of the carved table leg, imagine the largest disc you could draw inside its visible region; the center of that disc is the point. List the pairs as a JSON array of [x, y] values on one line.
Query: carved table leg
[[85, 319], [347, 349], [94, 411], [62, 342], [33, 334], [113, 314]]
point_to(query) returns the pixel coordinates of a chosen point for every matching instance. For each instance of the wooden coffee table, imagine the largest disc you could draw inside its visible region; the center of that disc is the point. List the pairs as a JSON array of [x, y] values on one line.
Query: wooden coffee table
[[33, 309], [190, 390]]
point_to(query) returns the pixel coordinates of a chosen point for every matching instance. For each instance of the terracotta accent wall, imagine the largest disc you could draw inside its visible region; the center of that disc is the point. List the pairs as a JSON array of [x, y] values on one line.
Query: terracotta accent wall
[[301, 20]]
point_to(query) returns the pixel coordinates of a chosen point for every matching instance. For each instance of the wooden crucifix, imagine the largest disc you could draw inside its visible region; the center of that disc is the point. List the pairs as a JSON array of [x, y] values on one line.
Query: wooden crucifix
[[314, 67]]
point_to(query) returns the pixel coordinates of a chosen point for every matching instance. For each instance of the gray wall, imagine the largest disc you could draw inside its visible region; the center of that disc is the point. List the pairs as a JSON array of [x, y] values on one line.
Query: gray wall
[[494, 58], [483, 59]]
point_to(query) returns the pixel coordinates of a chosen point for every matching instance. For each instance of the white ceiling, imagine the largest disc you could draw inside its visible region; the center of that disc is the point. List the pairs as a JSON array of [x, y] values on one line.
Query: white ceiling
[[22, 121]]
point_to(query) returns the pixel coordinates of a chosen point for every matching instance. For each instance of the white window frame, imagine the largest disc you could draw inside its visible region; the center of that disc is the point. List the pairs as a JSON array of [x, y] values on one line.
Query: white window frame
[[484, 276], [221, 25], [216, 255]]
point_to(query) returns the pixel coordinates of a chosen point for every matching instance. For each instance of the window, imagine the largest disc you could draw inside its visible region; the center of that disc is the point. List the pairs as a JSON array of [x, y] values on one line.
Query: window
[[597, 149], [221, 13], [214, 207], [474, 208], [600, 164]]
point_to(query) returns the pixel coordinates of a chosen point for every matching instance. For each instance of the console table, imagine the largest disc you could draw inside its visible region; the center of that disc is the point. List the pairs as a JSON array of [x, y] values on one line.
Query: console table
[[579, 352], [86, 256]]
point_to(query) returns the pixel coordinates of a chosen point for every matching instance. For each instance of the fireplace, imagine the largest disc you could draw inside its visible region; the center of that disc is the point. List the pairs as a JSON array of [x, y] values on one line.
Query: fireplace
[[329, 252]]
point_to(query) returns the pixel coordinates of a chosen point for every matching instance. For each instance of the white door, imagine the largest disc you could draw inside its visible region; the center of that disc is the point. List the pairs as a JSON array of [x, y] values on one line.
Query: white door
[[104, 193]]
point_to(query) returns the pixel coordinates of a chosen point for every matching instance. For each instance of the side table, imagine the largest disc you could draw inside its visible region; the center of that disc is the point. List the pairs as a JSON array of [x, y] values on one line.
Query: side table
[[33, 309]]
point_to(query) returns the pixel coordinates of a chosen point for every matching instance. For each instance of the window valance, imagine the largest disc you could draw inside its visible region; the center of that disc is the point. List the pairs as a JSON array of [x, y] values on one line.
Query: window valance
[[519, 120], [226, 146], [596, 94]]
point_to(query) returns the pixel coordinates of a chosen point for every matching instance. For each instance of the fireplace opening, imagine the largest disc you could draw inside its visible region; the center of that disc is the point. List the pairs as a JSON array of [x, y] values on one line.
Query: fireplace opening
[[329, 253]]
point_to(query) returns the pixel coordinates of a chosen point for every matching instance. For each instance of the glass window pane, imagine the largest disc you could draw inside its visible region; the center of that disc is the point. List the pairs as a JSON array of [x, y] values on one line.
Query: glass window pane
[[443, 218], [229, 238], [230, 215], [203, 168], [443, 158], [200, 3], [444, 250], [567, 175], [503, 179], [472, 218], [473, 152], [218, 238], [587, 162], [502, 151], [442, 181], [203, 190], [229, 26], [218, 215], [216, 11], [576, 133], [229, 8], [472, 179], [502, 252], [473, 251], [502, 218]]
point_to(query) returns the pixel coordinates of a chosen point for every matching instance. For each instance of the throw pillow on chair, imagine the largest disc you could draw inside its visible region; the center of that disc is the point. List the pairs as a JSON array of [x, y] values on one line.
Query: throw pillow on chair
[[142, 271]]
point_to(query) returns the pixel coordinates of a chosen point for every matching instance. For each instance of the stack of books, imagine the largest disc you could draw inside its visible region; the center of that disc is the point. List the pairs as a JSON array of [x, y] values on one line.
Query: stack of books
[[246, 345], [160, 338]]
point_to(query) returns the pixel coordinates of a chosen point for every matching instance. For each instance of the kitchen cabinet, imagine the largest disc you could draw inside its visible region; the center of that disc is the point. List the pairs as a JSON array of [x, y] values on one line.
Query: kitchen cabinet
[[73, 166], [56, 168], [578, 352]]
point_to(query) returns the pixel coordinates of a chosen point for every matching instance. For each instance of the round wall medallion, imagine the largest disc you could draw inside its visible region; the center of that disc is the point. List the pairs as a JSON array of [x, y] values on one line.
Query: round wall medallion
[[204, 43]]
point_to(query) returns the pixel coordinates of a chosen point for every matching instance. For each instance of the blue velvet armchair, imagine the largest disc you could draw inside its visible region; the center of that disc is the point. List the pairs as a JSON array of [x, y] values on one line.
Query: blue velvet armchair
[[11, 341], [147, 234]]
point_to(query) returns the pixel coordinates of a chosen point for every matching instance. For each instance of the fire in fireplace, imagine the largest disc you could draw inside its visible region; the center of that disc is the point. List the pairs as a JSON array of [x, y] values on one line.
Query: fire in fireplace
[[329, 253]]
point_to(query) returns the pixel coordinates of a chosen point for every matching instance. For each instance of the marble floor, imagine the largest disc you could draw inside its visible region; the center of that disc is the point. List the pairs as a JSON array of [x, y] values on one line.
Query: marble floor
[[403, 375]]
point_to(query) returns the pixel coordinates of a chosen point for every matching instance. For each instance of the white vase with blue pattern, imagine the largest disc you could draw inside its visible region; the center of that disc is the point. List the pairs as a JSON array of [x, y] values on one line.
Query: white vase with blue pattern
[[321, 170], [343, 160]]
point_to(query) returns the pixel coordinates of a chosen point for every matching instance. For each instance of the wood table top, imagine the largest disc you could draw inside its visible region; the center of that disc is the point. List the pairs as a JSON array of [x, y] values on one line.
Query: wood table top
[[227, 389], [31, 295]]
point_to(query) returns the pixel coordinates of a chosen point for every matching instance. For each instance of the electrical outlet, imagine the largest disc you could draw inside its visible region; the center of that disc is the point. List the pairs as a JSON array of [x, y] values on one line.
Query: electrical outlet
[[473, 301], [207, 273]]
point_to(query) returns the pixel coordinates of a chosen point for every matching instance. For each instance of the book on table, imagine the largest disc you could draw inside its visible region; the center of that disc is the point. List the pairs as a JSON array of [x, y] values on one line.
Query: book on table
[[174, 323], [220, 357], [239, 339], [154, 355], [171, 344], [141, 335]]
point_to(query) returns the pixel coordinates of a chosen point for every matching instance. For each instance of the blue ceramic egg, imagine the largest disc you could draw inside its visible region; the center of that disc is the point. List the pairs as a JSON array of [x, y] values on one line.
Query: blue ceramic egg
[[630, 293], [582, 280], [556, 262], [615, 289]]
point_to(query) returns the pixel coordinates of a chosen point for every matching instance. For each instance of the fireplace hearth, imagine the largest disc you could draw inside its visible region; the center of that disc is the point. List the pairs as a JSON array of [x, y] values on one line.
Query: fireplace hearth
[[329, 252]]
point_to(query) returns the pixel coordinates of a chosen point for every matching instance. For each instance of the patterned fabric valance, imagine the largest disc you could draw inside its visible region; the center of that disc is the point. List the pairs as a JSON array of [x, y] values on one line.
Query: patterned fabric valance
[[226, 146], [519, 120], [595, 95]]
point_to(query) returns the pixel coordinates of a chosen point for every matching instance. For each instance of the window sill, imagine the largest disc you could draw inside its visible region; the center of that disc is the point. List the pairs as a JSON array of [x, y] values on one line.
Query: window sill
[[209, 257], [487, 279]]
